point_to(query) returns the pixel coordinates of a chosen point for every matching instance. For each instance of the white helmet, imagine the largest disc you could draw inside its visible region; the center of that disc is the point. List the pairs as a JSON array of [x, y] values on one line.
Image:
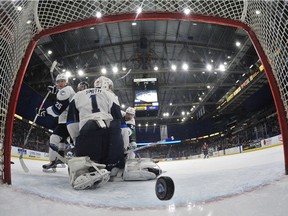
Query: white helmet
[[103, 83], [62, 76], [82, 86], [131, 110]]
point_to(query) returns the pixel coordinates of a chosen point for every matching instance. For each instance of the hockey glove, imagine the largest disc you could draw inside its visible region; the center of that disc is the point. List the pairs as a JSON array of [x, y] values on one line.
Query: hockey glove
[[132, 145], [42, 112], [52, 89]]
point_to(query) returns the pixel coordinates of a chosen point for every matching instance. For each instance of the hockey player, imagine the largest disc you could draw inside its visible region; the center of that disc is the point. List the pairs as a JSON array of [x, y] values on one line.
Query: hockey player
[[82, 86], [127, 133], [94, 122], [64, 94]]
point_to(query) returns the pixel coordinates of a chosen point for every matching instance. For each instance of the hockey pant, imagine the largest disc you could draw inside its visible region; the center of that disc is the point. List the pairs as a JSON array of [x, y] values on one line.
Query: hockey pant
[[85, 173], [102, 145], [57, 141]]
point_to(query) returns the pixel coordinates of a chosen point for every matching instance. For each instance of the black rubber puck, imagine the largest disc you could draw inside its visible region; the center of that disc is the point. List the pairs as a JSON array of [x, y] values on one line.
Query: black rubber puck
[[164, 188]]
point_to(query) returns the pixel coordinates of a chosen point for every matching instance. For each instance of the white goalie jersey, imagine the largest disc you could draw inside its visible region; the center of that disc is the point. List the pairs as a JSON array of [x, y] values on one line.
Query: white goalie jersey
[[60, 108], [91, 104]]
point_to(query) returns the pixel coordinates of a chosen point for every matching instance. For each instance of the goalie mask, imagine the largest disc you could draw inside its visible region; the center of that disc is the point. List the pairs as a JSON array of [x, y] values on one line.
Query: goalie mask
[[103, 83], [62, 76]]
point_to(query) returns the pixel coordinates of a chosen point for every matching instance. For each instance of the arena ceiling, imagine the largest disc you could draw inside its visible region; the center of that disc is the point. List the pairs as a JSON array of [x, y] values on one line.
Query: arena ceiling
[[138, 48]]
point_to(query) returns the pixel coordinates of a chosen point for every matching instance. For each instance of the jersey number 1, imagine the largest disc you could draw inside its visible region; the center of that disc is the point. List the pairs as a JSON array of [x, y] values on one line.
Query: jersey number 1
[[94, 104]]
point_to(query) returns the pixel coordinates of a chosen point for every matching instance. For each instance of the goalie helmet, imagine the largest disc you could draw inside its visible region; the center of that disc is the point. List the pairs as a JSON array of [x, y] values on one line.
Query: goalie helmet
[[130, 110], [103, 83], [82, 86], [62, 76]]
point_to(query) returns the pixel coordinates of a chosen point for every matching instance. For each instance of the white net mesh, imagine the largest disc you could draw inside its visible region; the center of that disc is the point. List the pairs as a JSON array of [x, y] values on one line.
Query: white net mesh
[[21, 20]]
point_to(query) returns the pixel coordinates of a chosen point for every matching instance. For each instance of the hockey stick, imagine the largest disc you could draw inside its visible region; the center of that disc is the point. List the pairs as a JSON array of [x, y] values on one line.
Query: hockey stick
[[24, 167], [53, 66], [142, 147]]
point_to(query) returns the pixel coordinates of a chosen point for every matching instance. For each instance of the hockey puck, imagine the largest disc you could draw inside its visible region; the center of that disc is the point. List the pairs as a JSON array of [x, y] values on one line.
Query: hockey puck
[[164, 188]]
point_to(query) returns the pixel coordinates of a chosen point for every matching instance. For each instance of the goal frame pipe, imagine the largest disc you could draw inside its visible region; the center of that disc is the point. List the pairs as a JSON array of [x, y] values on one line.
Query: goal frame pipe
[[141, 17]]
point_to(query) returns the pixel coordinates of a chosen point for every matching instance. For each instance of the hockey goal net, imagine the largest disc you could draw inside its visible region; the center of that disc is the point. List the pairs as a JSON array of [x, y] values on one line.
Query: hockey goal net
[[24, 22]]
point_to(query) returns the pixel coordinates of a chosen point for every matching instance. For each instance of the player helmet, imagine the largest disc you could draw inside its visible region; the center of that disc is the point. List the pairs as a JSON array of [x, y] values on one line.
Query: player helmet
[[82, 86], [130, 110], [62, 76], [103, 83]]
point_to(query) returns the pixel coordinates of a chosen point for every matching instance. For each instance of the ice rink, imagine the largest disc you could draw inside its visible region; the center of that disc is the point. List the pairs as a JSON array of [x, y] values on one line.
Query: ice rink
[[251, 183]]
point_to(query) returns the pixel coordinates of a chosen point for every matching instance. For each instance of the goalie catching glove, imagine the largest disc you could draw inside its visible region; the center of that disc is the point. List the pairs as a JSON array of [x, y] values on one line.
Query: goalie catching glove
[[52, 89], [41, 112]]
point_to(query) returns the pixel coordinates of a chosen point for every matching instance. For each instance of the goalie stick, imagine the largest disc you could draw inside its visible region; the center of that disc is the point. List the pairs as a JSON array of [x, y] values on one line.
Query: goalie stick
[[142, 147], [23, 165]]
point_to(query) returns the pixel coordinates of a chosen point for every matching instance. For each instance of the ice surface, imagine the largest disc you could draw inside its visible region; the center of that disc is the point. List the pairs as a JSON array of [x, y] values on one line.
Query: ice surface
[[251, 183]]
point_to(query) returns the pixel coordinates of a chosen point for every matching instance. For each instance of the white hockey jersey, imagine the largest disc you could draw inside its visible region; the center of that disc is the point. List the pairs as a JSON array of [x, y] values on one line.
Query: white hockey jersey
[[93, 104], [60, 108]]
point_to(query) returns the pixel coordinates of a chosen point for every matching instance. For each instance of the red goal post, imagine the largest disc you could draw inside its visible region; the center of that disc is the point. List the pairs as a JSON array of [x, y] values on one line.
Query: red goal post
[[23, 23]]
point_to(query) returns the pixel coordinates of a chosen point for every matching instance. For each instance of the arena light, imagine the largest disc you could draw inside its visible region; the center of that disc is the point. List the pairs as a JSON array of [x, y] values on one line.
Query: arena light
[[222, 67], [19, 8], [173, 67], [49, 52], [156, 68], [208, 86], [237, 43], [124, 68], [258, 12], [134, 23], [187, 11], [166, 114], [103, 71], [115, 69], [68, 74], [80, 72], [123, 106], [139, 10], [209, 67], [185, 66], [98, 15]]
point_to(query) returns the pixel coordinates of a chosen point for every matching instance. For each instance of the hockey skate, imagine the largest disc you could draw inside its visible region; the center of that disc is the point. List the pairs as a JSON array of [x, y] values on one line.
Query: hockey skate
[[51, 167]]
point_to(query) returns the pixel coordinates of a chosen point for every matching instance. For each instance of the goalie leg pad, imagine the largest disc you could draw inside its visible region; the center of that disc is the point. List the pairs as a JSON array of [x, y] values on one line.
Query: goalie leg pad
[[89, 180], [140, 170], [85, 173]]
